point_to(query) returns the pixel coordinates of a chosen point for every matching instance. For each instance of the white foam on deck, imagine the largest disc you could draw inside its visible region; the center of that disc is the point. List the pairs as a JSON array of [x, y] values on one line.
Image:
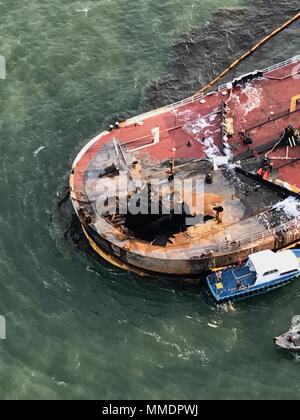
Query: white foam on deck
[[213, 153], [253, 101], [290, 206], [203, 129]]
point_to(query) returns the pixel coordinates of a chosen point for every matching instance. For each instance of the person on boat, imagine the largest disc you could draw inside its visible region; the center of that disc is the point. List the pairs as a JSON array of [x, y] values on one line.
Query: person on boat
[[239, 285], [219, 276], [239, 262], [264, 174]]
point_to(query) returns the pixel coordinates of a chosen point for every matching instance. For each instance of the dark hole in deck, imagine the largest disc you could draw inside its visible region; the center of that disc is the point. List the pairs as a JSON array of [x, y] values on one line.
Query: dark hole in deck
[[157, 229], [160, 229]]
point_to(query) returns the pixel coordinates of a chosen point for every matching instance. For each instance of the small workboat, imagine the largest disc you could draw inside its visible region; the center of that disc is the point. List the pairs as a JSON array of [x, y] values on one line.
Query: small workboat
[[264, 271], [290, 340]]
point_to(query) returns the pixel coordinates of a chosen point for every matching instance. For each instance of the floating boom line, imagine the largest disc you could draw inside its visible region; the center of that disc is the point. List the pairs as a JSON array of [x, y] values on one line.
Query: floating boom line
[[248, 53]]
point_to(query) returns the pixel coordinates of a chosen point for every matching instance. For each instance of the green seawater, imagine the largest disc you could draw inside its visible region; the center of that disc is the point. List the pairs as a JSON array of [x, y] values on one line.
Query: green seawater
[[76, 327]]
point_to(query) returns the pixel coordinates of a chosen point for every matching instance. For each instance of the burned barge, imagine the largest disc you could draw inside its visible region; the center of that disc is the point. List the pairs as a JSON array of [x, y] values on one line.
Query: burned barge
[[234, 150]]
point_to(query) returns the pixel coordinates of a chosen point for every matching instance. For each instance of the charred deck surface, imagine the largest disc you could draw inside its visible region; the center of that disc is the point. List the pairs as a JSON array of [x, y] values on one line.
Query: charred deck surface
[[208, 131]]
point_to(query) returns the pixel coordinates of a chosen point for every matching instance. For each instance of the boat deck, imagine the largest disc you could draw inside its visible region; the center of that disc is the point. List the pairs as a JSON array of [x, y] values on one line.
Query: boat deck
[[204, 128], [232, 280], [239, 283], [255, 108]]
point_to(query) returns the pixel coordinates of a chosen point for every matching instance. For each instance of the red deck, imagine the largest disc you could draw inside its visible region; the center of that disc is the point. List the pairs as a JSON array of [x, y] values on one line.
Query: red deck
[[194, 129]]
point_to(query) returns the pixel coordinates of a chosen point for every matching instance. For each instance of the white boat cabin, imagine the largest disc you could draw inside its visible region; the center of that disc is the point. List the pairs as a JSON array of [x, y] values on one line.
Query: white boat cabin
[[270, 266]]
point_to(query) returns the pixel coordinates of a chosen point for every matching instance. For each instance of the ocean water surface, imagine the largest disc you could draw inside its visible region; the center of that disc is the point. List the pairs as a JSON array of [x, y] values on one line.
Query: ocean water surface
[[76, 327]]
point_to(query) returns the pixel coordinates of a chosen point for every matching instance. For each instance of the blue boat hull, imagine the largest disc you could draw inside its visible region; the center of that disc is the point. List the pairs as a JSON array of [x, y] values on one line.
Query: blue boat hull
[[251, 293], [224, 288]]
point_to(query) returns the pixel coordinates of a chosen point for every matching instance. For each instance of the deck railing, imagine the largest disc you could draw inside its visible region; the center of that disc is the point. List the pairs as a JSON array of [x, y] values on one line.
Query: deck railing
[[269, 69], [200, 96], [166, 108], [281, 65], [251, 240]]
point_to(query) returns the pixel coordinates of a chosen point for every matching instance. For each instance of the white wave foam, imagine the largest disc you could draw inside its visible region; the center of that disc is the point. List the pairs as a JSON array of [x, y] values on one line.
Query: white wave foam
[[37, 151]]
